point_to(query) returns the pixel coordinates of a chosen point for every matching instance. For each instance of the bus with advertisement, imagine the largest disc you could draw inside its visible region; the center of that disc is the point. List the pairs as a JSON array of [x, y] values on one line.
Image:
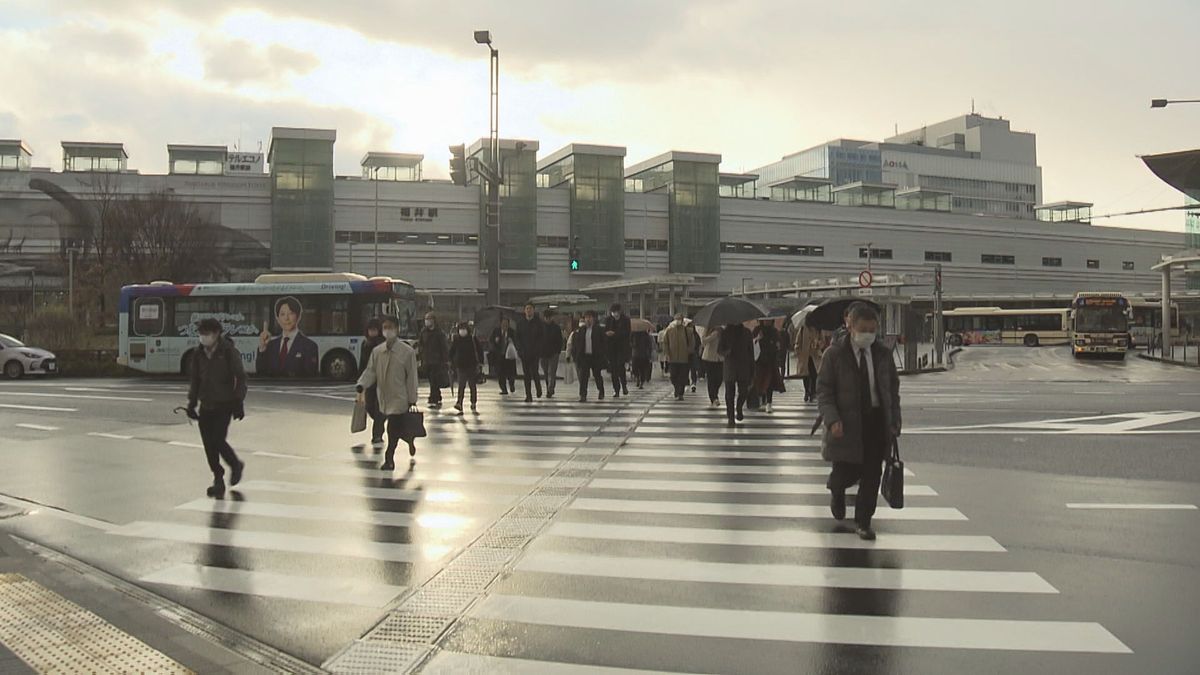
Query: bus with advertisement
[[284, 325], [1145, 322], [994, 325], [1100, 324]]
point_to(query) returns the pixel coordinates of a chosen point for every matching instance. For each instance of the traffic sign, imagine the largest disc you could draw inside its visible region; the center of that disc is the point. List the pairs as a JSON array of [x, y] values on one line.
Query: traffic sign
[[865, 278]]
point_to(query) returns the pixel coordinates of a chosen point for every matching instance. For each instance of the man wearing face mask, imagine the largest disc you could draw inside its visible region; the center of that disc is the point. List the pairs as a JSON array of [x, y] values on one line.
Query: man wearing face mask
[[218, 385], [466, 354], [433, 351], [858, 394], [616, 336], [392, 368]]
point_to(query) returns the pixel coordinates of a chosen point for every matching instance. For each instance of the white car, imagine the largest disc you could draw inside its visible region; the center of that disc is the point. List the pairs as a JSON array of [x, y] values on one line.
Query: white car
[[17, 360]]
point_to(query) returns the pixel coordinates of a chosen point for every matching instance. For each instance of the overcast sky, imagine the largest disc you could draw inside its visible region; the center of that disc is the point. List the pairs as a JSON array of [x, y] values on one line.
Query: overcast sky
[[750, 79]]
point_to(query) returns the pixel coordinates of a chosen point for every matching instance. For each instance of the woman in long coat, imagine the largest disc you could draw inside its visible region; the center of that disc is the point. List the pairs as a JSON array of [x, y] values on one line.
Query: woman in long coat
[[808, 357], [392, 369]]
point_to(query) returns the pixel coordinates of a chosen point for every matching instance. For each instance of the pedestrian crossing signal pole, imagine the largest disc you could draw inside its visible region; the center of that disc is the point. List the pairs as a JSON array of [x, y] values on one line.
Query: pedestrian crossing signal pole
[[939, 331], [575, 255]]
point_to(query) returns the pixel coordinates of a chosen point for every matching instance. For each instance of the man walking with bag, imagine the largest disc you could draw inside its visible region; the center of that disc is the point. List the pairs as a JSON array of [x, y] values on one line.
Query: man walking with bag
[[218, 384], [392, 368], [530, 344], [858, 395]]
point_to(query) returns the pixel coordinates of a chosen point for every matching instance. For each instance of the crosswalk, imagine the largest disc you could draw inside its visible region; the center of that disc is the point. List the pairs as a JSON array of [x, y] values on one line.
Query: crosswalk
[[690, 547]]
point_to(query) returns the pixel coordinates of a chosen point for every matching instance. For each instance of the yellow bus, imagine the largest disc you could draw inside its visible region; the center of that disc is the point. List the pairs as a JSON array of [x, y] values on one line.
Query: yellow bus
[[993, 325]]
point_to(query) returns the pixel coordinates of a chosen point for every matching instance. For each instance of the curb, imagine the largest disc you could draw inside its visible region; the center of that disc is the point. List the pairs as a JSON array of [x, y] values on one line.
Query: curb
[[1168, 361]]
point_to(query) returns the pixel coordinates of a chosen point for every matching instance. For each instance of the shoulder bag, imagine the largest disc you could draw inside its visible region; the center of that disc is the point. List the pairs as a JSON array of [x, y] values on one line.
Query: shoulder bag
[[893, 478]]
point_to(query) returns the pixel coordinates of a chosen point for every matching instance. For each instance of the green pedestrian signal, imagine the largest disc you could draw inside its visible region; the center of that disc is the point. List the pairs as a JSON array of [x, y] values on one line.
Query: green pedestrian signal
[[575, 258], [574, 265]]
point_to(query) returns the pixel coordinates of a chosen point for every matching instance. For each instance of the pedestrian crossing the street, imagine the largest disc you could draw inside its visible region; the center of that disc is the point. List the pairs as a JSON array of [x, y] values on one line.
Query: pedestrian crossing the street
[[682, 546]]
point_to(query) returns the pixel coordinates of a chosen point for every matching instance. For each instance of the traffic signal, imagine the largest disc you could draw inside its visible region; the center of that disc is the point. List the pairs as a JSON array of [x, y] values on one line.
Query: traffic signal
[[574, 258], [458, 165]]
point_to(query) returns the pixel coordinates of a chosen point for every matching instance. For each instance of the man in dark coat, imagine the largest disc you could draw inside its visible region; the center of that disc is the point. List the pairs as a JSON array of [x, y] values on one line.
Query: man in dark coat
[[466, 353], [530, 341], [737, 347], [587, 346], [617, 334], [433, 351], [858, 394], [218, 386], [552, 346]]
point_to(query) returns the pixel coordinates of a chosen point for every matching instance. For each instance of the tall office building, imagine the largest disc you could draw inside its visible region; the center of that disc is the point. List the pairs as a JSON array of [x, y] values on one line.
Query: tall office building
[[973, 164]]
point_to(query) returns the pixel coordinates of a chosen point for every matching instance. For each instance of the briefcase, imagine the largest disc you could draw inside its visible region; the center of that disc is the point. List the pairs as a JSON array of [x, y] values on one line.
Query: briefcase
[[893, 478], [412, 425], [358, 422]]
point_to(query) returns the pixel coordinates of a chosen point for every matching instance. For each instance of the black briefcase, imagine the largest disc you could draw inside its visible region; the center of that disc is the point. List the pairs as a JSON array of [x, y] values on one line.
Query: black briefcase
[[412, 425], [893, 478]]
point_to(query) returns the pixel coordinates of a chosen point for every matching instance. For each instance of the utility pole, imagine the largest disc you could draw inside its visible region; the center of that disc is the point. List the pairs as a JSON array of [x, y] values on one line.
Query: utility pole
[[939, 332], [376, 181], [71, 280], [492, 211]]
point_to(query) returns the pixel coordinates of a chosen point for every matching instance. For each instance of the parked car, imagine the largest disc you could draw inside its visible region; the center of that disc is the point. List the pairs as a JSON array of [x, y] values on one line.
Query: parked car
[[17, 360]]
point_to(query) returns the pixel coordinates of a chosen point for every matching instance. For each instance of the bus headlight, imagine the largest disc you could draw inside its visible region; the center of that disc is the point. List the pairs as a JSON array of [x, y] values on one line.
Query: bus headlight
[[1080, 342]]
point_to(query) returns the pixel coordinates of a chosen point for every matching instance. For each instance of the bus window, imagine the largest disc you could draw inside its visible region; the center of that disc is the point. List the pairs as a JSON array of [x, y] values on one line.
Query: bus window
[[335, 316], [189, 311], [149, 317], [245, 316]]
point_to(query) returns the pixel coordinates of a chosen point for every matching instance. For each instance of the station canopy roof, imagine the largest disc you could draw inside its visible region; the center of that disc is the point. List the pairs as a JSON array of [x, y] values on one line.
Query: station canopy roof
[[1180, 170]]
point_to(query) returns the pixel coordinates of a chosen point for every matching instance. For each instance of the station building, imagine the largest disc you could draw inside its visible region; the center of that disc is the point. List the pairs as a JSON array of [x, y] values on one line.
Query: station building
[[651, 232]]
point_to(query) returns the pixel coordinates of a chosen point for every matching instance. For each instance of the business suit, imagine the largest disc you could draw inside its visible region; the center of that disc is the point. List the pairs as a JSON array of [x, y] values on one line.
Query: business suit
[[589, 364], [867, 421], [301, 359], [619, 347]]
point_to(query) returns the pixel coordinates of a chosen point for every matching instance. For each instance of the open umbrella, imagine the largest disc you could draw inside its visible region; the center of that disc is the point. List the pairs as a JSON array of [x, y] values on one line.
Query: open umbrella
[[829, 314], [487, 318], [641, 326], [728, 310]]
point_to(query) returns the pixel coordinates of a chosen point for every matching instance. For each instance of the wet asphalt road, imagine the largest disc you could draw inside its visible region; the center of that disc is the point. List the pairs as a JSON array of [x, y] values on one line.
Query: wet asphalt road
[[640, 533]]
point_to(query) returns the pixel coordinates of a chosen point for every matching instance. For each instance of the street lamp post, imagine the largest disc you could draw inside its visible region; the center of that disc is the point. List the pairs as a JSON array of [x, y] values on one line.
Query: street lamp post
[[1164, 102], [376, 181], [492, 213]]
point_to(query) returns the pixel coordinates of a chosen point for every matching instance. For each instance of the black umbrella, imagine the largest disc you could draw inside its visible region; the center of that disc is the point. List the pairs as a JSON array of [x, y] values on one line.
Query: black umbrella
[[728, 310], [488, 318], [829, 314]]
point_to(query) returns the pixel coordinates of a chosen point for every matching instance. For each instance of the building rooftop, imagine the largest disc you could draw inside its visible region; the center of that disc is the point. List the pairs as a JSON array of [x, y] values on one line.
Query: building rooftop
[[396, 159], [672, 156], [15, 144], [94, 149], [580, 149]]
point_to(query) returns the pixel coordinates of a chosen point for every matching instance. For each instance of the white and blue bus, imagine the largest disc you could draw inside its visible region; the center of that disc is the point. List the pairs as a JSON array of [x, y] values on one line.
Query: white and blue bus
[[285, 325]]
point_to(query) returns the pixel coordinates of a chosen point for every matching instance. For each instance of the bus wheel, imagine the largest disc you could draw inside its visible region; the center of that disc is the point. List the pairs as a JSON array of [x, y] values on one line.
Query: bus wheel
[[956, 340], [339, 365], [1031, 340]]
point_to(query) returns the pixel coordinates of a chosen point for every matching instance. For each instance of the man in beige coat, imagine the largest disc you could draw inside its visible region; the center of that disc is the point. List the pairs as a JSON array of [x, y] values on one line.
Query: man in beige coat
[[808, 358], [392, 369], [678, 346]]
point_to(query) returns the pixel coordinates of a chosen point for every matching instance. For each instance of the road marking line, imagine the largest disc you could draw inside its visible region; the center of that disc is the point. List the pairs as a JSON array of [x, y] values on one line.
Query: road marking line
[[754, 510], [36, 427], [725, 441], [119, 437], [34, 509], [280, 541], [798, 455], [886, 631], [418, 475], [723, 469], [456, 663], [734, 486], [344, 591], [182, 444], [432, 496], [14, 406], [789, 538], [280, 455], [84, 396], [434, 521], [875, 578], [1148, 507]]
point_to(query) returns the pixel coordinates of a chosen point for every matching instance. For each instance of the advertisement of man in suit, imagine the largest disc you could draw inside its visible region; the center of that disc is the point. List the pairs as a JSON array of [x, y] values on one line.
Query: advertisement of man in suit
[[291, 353]]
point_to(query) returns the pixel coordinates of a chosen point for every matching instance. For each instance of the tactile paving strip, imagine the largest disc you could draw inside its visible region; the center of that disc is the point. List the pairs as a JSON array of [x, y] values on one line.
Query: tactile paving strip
[[54, 635], [377, 658]]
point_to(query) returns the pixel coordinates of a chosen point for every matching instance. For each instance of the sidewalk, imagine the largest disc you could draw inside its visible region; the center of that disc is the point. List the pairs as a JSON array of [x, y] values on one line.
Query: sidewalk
[[1173, 362], [56, 619]]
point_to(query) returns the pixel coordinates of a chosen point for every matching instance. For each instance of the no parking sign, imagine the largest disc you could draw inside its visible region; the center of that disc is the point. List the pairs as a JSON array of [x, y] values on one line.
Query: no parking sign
[[865, 279]]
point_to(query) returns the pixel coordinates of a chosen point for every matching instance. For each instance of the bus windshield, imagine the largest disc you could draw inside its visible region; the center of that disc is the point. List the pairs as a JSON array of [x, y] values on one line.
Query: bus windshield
[[1110, 319]]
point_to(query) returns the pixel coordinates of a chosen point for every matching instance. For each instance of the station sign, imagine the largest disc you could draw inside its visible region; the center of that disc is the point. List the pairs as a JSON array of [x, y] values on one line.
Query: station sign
[[242, 163]]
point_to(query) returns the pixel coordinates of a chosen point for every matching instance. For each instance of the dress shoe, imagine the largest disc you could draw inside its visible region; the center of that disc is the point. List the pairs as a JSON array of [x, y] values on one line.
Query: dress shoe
[[217, 489], [235, 473], [837, 504], [412, 450], [388, 465], [740, 416], [865, 533], [529, 399]]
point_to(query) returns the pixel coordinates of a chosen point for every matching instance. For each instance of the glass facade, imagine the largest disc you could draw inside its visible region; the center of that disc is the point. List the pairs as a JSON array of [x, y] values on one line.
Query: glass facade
[[695, 219], [518, 205], [597, 208], [302, 202]]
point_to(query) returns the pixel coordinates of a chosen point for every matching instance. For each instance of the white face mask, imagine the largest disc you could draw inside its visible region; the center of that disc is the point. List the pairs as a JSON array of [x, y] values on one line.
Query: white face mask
[[615, 314], [208, 340], [863, 340], [582, 324], [462, 332], [429, 323], [390, 335]]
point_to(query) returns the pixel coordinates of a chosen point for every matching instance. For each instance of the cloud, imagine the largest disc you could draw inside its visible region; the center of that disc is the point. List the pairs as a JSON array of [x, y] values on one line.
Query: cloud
[[239, 62]]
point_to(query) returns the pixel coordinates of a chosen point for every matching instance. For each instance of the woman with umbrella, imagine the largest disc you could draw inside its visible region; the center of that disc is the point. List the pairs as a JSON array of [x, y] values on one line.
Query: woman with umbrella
[[808, 348], [766, 366], [735, 346]]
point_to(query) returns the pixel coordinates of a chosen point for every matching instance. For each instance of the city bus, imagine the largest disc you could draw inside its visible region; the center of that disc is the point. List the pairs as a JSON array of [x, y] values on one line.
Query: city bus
[[284, 325], [1100, 324], [993, 325], [1145, 322]]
